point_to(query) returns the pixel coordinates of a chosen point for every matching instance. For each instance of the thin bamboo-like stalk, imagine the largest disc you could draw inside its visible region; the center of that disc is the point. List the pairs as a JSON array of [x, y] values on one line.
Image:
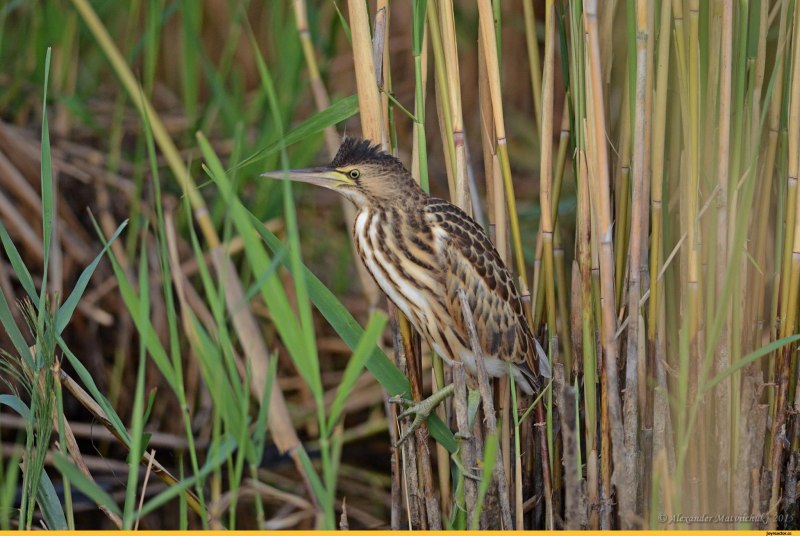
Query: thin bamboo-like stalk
[[532, 43], [599, 192], [546, 169], [767, 173], [658, 149], [638, 213], [722, 358], [788, 325], [622, 181], [450, 48], [490, 57], [546, 181], [537, 283], [372, 125], [466, 450], [588, 338], [322, 102]]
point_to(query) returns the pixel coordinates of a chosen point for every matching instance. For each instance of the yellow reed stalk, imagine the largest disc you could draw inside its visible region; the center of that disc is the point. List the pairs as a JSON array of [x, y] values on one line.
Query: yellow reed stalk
[[546, 169], [322, 102], [722, 419], [488, 38], [599, 192], [638, 213], [561, 161], [369, 101], [622, 176], [532, 43], [788, 324], [450, 48], [773, 130]]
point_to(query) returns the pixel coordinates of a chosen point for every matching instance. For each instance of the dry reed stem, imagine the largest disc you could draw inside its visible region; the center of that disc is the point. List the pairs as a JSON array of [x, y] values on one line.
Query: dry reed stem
[[490, 418], [722, 393], [466, 448], [599, 192], [546, 169], [762, 315], [788, 323], [449, 44], [537, 283], [322, 102], [422, 452], [575, 515], [492, 72], [587, 332], [408, 461], [369, 101], [631, 410]]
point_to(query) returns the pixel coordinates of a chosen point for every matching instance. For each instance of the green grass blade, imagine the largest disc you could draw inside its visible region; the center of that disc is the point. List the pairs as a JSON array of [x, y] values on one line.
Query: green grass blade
[[351, 332], [272, 292], [749, 358], [13, 331], [18, 265], [79, 480], [16, 404], [88, 382], [47, 192], [217, 456], [259, 436], [143, 325], [337, 112], [49, 505], [489, 459], [65, 312], [372, 333]]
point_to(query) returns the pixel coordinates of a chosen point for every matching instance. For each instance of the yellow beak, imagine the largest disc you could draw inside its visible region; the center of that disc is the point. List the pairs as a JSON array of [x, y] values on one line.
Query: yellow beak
[[320, 176]]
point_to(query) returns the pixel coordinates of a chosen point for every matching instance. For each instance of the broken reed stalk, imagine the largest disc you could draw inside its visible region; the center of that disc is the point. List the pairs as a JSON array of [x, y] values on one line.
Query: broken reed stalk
[[407, 465], [489, 416], [574, 498]]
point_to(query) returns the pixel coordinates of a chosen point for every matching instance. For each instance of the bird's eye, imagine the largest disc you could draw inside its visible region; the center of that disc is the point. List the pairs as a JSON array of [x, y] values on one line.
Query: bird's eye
[[354, 174]]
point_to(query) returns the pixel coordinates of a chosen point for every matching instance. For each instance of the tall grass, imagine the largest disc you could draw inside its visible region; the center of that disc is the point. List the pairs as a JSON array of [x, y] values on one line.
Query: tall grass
[[665, 303]]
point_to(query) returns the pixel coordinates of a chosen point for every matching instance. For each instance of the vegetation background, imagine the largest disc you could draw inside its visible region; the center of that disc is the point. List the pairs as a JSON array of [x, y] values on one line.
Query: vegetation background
[[187, 345]]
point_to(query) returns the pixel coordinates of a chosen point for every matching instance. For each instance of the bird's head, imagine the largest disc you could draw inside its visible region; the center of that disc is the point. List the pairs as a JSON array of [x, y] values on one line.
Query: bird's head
[[361, 172]]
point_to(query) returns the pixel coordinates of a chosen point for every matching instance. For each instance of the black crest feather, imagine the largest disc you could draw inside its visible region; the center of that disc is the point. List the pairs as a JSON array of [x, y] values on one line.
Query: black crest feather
[[354, 151]]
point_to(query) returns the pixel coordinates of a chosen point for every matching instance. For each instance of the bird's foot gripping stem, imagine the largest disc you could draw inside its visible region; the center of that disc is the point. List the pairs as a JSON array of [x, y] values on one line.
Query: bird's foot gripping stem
[[420, 410]]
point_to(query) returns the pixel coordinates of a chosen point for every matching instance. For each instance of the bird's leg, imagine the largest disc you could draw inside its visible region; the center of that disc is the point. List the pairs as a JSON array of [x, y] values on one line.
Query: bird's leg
[[420, 410]]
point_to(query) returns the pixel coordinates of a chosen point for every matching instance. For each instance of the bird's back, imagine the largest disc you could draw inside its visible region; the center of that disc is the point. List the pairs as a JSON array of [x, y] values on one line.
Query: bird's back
[[421, 252]]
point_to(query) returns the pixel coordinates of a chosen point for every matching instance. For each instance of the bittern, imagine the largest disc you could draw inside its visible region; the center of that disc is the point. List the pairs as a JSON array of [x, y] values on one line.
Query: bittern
[[421, 251]]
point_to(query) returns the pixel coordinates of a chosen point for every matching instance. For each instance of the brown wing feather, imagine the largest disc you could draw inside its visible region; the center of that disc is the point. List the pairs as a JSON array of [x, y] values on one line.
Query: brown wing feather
[[473, 264]]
